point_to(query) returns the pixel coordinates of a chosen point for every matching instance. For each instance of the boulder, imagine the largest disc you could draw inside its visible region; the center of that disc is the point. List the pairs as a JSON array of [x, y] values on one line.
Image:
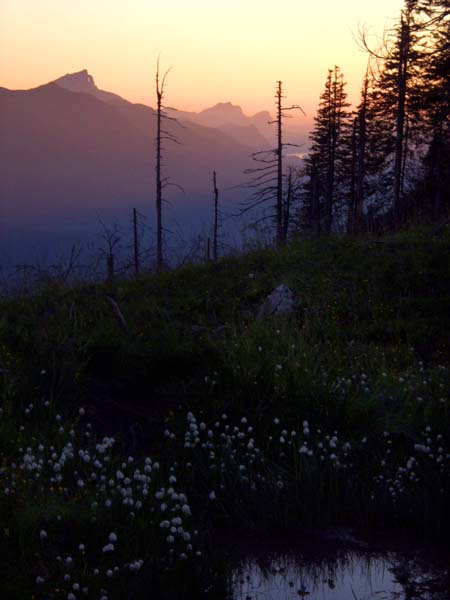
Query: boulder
[[280, 303]]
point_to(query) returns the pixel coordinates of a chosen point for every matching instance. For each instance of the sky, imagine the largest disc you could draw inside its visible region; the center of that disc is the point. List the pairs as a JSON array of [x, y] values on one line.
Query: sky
[[233, 50]]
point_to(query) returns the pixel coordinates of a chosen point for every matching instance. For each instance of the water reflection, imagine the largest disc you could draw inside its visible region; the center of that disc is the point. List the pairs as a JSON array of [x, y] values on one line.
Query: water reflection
[[321, 572]]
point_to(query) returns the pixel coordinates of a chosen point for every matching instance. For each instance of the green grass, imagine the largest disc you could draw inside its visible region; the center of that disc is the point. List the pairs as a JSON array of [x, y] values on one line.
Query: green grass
[[366, 355]]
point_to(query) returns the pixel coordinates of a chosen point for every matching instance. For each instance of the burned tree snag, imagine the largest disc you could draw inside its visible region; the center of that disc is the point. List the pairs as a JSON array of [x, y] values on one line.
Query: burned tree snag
[[216, 216]]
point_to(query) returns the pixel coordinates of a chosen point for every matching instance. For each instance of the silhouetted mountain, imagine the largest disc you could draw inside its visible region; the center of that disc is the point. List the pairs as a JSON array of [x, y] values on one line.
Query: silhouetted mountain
[[254, 131], [228, 117], [225, 115], [84, 82], [258, 130], [70, 152], [67, 155], [262, 118]]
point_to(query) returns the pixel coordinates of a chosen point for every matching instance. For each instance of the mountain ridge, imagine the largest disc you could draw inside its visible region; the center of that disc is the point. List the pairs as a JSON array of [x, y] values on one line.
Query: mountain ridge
[[226, 116], [83, 82], [67, 156]]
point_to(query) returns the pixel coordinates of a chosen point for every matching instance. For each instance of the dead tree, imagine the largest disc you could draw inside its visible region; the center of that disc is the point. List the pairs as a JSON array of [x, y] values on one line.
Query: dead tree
[[162, 135], [216, 216], [280, 228], [287, 204], [159, 98], [56, 274], [135, 244], [112, 237], [267, 182]]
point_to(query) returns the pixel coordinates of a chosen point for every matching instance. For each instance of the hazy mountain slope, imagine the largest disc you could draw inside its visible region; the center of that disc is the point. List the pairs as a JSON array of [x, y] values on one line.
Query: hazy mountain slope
[[66, 156], [256, 130], [252, 131], [225, 116], [84, 82], [64, 153], [246, 134]]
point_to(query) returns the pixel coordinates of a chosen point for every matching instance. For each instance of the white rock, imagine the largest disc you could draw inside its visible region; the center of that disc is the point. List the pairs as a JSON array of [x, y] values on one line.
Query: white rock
[[281, 302]]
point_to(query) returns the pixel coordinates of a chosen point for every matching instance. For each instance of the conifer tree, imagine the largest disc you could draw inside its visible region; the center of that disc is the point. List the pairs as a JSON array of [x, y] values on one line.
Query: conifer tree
[[434, 102], [366, 155], [392, 116], [361, 168], [325, 162]]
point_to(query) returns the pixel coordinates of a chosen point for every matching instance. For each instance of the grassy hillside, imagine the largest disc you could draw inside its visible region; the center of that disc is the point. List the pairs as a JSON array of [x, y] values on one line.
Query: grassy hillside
[[338, 415]]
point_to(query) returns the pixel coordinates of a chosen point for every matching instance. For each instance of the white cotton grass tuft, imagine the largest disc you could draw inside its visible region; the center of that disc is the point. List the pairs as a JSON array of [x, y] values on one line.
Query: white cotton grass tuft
[[136, 565], [125, 487]]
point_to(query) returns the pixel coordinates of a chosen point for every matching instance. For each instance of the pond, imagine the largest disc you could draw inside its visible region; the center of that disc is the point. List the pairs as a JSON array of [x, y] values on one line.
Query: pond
[[338, 566]]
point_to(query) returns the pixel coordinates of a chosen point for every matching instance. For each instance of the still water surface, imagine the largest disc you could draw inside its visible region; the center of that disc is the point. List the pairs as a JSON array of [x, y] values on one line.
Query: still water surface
[[325, 569]]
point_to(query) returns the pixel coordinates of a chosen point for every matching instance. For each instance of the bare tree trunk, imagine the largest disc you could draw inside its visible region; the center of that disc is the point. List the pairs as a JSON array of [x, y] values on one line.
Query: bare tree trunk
[[280, 240], [402, 77], [268, 178], [162, 135], [159, 251], [216, 216], [110, 268], [135, 243], [287, 207]]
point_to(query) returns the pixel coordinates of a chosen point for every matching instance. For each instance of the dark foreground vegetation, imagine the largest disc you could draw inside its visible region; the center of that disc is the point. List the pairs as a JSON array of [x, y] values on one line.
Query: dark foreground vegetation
[[126, 447]]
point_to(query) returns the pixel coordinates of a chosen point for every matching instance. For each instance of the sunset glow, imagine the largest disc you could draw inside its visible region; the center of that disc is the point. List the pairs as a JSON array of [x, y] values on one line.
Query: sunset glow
[[228, 51]]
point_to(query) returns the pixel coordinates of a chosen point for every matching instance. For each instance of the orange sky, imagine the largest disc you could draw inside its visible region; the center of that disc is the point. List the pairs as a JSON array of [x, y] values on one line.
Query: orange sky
[[221, 51]]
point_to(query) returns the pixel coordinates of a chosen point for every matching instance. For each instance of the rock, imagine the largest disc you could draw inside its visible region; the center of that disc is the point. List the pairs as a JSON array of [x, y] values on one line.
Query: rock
[[281, 302]]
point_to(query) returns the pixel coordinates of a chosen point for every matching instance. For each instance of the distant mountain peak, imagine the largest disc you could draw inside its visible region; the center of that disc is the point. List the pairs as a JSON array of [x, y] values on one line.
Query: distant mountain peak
[[228, 105], [225, 108], [262, 115], [83, 82]]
